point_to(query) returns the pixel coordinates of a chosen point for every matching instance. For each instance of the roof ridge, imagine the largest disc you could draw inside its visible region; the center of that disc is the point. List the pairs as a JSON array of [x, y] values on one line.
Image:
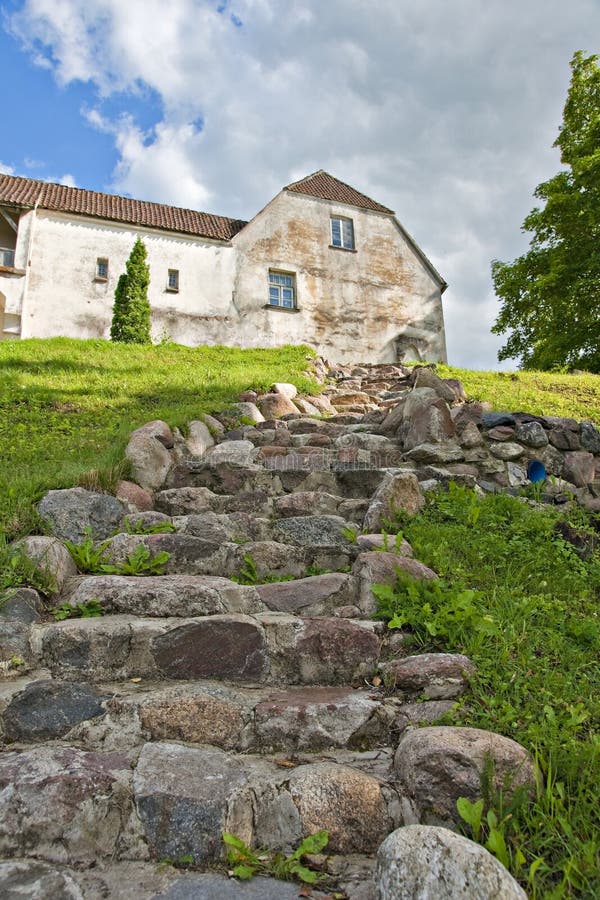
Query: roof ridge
[[31, 192], [325, 186], [70, 187]]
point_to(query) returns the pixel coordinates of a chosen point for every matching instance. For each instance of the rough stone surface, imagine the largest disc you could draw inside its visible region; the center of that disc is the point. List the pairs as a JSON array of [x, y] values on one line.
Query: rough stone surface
[[442, 452], [49, 709], [181, 794], [68, 805], [302, 503], [276, 405], [437, 765], [282, 387], [433, 676], [209, 886], [470, 436], [590, 438], [229, 647], [37, 880], [313, 531], [269, 558], [507, 451], [166, 595], [72, 511], [311, 718], [319, 650], [199, 438], [22, 605], [398, 492], [532, 434], [201, 718], [345, 802], [186, 500], [319, 595], [150, 460], [98, 649], [426, 420], [133, 497], [429, 863], [235, 453], [579, 468]]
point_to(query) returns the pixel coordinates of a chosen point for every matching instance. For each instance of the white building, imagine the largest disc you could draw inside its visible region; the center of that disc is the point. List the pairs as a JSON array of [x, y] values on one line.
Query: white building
[[321, 264]]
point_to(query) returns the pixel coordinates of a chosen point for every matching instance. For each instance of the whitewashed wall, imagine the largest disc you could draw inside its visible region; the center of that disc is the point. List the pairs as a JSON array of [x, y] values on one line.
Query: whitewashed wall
[[64, 297], [351, 305]]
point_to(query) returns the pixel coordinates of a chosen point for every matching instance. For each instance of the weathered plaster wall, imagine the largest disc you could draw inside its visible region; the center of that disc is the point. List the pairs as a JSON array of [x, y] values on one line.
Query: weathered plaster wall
[[12, 286], [351, 305], [64, 297], [365, 304]]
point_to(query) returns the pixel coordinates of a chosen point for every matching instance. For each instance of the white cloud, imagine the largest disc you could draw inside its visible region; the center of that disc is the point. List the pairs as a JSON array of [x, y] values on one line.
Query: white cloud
[[444, 111]]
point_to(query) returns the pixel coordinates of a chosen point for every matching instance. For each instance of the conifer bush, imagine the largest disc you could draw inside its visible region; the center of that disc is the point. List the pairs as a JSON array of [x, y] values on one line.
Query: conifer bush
[[131, 310]]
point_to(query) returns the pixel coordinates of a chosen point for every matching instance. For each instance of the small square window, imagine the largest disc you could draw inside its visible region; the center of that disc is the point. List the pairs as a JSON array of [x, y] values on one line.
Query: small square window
[[282, 289], [102, 269], [342, 233], [173, 280]]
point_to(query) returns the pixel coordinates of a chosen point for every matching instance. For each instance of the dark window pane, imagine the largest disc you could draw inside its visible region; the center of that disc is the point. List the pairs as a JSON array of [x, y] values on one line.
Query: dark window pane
[[336, 233], [348, 232]]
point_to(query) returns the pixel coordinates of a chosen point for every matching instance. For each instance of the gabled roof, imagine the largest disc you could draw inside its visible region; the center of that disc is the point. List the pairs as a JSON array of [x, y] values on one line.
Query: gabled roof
[[324, 186], [28, 193]]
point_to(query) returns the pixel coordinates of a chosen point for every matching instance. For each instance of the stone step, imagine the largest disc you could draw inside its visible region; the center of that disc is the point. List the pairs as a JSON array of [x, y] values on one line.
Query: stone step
[[272, 647], [162, 881], [170, 800], [164, 595], [296, 543], [123, 715]]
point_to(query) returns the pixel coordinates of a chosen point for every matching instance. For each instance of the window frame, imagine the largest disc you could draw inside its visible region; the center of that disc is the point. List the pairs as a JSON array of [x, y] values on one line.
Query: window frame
[[172, 288], [344, 244], [102, 268], [277, 289]]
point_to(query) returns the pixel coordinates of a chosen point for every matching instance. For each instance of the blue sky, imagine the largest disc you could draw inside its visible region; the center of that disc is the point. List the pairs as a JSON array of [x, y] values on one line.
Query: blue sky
[[444, 111]]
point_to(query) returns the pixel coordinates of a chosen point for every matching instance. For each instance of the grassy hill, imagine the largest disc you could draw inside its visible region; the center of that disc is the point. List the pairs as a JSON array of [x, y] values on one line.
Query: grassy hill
[[67, 406]]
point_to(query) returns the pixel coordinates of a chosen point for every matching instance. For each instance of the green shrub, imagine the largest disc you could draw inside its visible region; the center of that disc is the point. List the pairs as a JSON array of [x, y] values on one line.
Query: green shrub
[[131, 310]]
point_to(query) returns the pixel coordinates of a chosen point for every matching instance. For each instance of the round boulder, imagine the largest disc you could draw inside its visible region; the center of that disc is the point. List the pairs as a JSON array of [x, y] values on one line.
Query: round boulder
[[421, 862]]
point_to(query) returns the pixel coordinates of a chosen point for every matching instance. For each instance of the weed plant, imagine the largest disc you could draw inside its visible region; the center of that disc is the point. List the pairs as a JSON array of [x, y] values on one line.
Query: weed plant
[[246, 863], [518, 600], [90, 558]]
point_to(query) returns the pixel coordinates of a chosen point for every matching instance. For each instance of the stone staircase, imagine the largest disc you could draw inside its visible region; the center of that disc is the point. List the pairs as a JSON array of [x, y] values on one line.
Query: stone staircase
[[272, 709]]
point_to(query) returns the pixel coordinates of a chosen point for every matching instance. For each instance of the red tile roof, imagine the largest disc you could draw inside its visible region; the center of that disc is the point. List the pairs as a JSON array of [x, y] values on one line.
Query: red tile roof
[[323, 185], [26, 192]]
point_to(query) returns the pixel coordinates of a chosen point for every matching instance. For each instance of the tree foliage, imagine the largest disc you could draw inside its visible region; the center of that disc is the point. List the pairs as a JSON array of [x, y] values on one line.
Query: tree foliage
[[131, 310], [551, 295]]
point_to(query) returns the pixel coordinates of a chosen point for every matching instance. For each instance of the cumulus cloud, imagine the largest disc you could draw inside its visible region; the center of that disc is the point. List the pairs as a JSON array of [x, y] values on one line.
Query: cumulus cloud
[[444, 111]]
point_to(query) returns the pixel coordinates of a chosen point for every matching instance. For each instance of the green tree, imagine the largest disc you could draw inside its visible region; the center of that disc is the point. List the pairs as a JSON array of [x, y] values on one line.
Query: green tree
[[551, 296], [131, 310]]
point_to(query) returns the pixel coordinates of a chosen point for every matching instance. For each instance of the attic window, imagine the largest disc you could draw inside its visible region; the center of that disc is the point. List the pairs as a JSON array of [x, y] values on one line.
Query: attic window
[[173, 280], [282, 289], [102, 269], [342, 233]]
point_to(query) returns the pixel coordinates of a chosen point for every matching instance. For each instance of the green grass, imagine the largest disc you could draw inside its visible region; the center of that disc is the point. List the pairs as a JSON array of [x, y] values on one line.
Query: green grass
[[540, 393], [518, 600], [67, 406]]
